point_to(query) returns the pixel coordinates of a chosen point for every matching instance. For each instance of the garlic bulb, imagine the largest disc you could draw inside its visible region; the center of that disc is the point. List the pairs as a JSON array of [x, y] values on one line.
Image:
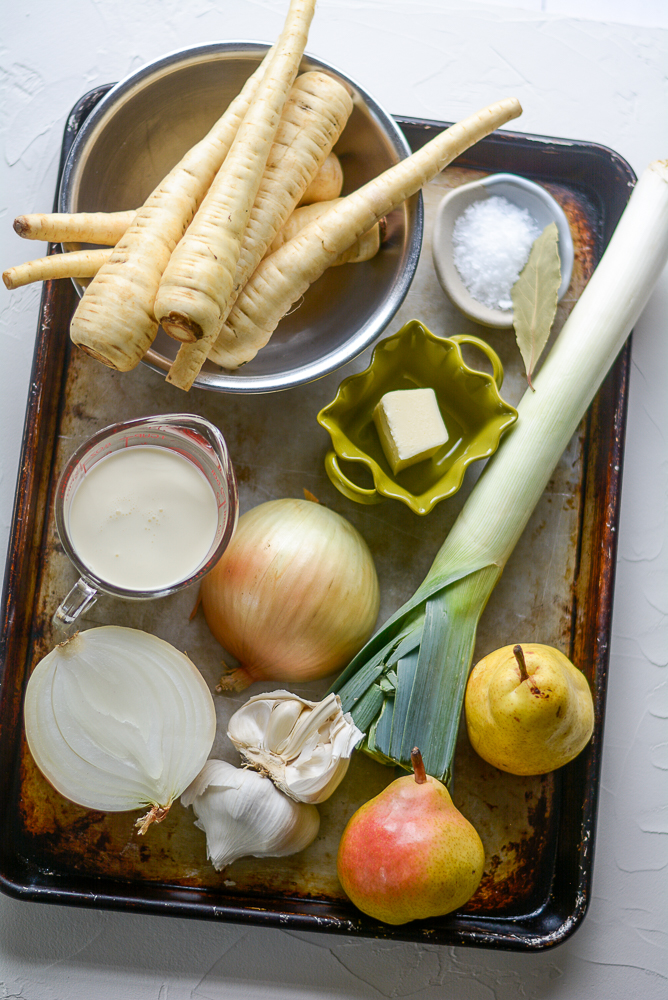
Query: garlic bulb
[[118, 719], [303, 746], [242, 812]]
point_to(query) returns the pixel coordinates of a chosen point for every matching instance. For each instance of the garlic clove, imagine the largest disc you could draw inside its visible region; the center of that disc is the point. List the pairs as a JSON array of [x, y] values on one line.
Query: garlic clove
[[281, 722], [312, 727], [251, 725], [303, 746], [243, 813]]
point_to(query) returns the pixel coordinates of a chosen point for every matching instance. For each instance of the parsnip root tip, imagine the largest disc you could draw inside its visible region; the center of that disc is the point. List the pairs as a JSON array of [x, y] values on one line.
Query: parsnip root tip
[[189, 331], [97, 356]]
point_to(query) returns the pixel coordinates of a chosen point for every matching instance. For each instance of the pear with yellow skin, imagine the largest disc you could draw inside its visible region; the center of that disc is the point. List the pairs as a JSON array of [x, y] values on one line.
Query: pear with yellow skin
[[408, 853], [528, 709]]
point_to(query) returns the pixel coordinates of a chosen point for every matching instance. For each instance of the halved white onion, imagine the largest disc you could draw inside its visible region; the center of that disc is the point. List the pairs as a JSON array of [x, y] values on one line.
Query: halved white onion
[[117, 719]]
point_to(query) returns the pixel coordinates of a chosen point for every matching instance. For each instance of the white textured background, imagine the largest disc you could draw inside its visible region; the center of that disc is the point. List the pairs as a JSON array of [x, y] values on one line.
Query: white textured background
[[587, 69]]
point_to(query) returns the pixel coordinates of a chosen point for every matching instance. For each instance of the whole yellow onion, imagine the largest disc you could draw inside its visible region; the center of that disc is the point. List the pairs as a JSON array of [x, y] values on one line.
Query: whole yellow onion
[[295, 594]]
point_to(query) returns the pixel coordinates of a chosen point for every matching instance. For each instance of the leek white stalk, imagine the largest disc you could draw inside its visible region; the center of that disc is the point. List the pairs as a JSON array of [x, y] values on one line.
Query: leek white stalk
[[406, 686], [117, 719], [242, 812]]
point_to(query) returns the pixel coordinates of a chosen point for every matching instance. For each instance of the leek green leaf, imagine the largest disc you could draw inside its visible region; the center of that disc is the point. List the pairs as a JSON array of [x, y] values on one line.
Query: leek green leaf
[[534, 296], [368, 706]]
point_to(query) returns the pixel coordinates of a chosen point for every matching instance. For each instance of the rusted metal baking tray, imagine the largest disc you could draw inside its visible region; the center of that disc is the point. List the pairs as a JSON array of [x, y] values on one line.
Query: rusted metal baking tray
[[557, 588]]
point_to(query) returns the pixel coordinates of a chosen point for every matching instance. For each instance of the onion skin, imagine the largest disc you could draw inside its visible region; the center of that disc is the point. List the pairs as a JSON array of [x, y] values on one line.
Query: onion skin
[[295, 594]]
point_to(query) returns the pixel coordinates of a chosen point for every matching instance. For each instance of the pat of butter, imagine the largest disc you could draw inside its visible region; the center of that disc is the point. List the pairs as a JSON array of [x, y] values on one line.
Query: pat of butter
[[410, 426]]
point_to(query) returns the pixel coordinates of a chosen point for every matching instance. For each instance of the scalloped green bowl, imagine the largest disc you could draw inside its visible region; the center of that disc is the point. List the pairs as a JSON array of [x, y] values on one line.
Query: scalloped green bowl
[[474, 414]]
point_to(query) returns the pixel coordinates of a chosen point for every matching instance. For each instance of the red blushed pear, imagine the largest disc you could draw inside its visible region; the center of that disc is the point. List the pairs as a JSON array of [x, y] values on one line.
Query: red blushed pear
[[408, 853], [528, 709]]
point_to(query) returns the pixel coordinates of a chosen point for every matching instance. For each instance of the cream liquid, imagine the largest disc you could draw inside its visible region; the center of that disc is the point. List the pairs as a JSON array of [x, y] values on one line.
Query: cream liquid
[[143, 518]]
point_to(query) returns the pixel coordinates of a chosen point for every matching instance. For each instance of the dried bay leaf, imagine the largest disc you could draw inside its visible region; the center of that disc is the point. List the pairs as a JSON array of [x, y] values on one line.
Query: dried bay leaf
[[534, 297]]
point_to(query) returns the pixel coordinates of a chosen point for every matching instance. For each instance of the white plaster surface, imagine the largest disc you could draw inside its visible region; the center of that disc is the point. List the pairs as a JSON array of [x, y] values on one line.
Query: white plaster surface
[[588, 69]]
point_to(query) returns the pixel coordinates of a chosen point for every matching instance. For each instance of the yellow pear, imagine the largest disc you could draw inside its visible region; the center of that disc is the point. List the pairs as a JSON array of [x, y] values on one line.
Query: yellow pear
[[408, 853], [528, 709]]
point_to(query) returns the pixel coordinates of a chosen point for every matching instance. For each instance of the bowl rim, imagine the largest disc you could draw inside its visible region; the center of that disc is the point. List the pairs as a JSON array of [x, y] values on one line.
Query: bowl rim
[[374, 326], [446, 271]]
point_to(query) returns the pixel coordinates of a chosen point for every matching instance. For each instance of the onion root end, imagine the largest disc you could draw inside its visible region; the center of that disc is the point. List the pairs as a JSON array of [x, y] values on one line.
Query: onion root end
[[156, 814]]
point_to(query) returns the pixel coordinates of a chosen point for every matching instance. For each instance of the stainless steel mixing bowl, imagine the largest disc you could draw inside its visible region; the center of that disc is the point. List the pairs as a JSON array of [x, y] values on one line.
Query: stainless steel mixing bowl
[[145, 124]]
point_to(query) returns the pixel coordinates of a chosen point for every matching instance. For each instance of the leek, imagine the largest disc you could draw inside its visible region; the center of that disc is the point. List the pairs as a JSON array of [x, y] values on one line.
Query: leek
[[405, 688]]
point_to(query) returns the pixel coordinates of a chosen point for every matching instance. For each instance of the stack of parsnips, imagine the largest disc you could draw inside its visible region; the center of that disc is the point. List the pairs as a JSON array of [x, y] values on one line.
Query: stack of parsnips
[[191, 257]]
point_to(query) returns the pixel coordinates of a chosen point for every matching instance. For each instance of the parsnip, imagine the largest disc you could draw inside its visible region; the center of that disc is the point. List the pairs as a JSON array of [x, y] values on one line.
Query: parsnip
[[78, 264], [199, 278], [313, 117], [363, 249], [327, 184], [115, 320], [282, 278], [108, 227], [79, 227], [366, 247], [86, 263]]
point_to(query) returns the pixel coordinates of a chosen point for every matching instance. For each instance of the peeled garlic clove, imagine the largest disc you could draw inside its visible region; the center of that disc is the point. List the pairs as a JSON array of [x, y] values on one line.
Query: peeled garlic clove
[[303, 746], [242, 812]]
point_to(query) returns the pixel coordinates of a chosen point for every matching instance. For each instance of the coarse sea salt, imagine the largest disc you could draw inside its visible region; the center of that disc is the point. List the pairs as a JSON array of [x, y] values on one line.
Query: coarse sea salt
[[491, 241]]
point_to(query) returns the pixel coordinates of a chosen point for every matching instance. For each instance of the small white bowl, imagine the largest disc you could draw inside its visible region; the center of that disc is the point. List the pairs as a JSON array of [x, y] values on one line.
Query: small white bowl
[[524, 194]]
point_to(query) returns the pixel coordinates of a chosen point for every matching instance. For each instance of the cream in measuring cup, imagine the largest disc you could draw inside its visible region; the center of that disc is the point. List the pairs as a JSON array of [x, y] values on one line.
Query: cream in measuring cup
[[144, 508], [143, 518]]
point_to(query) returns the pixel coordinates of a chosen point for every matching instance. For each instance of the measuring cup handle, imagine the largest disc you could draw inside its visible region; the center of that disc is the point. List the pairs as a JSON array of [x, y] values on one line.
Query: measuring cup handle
[[80, 598], [489, 352], [346, 486]]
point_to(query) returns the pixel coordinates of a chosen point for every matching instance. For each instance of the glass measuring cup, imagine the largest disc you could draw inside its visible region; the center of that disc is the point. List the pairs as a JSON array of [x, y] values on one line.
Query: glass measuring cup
[[192, 438]]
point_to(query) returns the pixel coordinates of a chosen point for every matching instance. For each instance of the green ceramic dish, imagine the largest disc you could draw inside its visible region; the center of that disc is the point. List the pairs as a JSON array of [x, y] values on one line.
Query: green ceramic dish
[[474, 414]]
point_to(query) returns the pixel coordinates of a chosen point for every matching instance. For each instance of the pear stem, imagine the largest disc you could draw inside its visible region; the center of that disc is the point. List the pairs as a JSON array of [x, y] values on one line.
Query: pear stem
[[518, 653], [524, 673], [418, 766]]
